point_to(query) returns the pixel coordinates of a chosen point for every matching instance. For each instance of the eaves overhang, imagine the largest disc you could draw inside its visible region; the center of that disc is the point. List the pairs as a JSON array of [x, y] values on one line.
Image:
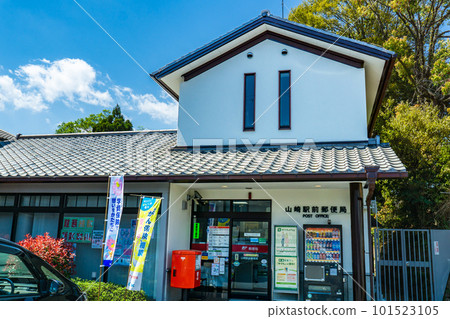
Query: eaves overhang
[[208, 178]]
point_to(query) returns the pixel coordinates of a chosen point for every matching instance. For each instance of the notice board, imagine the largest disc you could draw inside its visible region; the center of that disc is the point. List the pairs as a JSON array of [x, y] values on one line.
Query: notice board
[[286, 258]]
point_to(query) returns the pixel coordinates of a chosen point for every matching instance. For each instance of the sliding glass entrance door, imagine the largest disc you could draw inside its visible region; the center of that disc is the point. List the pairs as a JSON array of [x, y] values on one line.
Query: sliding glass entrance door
[[250, 259], [234, 239]]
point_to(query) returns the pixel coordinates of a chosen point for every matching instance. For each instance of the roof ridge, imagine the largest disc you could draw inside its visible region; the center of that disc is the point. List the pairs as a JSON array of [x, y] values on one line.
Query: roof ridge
[[6, 136], [97, 133], [280, 146], [333, 34]]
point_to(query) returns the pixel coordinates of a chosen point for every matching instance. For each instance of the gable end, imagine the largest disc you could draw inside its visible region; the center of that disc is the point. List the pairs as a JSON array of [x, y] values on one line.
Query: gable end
[[269, 35]]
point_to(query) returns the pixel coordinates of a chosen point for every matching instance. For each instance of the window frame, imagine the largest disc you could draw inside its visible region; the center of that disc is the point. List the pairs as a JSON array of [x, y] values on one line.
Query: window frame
[[231, 210], [30, 267], [249, 129], [62, 209], [280, 127]]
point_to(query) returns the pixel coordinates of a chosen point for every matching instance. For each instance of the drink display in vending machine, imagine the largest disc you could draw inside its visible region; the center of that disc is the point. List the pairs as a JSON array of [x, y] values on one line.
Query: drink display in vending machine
[[323, 274]]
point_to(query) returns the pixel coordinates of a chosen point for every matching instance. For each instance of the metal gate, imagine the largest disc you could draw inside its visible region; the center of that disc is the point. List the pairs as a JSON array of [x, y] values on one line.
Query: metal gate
[[403, 268]]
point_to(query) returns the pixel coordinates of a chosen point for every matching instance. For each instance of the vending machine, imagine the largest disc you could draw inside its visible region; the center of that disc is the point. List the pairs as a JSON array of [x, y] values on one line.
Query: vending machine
[[323, 273]]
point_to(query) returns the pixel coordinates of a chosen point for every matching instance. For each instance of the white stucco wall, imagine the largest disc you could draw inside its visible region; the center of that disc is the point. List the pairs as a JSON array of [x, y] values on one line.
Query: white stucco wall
[[328, 101], [178, 232]]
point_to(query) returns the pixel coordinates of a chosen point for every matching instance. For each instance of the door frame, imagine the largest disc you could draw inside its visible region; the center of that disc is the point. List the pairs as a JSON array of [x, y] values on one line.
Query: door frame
[[251, 216]]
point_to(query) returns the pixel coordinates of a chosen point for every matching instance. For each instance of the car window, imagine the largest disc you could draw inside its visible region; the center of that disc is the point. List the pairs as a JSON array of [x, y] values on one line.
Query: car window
[[15, 277], [50, 273]]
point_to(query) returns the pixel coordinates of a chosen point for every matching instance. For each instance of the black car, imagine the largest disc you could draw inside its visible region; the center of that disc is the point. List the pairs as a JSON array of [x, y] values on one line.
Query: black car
[[24, 276]]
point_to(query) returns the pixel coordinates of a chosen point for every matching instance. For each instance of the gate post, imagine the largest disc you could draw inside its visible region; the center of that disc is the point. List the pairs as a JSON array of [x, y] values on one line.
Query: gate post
[[371, 172], [404, 266]]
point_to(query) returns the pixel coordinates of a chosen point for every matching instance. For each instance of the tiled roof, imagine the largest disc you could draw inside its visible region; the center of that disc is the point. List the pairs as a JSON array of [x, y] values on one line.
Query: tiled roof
[[5, 136], [152, 154]]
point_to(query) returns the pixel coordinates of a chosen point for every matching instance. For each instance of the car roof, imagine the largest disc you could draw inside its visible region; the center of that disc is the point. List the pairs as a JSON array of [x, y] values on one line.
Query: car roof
[[11, 243]]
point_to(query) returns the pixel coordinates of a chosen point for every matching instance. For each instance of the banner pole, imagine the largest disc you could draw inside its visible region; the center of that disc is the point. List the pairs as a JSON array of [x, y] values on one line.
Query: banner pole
[[134, 243], [103, 239]]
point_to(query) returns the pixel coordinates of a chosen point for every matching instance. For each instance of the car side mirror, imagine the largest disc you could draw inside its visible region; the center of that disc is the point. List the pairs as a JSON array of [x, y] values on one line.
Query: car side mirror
[[55, 287]]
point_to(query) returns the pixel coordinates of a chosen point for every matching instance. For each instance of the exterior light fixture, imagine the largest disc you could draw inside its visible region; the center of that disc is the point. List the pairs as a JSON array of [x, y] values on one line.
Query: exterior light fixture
[[284, 52], [249, 55]]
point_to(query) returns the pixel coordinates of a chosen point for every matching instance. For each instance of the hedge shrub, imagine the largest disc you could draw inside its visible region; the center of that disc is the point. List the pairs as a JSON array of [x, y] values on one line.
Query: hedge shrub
[[109, 291], [56, 252]]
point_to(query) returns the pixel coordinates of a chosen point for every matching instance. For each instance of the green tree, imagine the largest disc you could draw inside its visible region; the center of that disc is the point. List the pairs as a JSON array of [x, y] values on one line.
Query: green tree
[[113, 122], [106, 121], [82, 125], [414, 115], [414, 29], [421, 200]]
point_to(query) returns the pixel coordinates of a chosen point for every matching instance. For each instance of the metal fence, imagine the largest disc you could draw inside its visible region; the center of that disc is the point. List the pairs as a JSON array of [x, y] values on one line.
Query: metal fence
[[403, 269]]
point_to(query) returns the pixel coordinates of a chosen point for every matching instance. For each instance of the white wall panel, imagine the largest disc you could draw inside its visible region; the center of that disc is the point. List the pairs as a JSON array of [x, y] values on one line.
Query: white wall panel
[[328, 100]]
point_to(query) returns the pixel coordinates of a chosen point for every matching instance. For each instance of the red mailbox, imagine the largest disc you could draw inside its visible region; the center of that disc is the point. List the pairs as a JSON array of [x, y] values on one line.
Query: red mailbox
[[186, 265]]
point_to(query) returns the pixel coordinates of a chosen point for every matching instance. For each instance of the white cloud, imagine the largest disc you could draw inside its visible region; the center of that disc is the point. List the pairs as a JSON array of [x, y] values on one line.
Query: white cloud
[[69, 79], [165, 109], [10, 93], [38, 85]]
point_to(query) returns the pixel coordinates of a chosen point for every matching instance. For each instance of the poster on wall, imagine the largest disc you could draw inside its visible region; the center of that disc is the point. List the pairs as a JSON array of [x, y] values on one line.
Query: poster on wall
[[217, 241], [286, 275], [124, 247], [97, 239], [215, 269], [285, 240], [77, 229]]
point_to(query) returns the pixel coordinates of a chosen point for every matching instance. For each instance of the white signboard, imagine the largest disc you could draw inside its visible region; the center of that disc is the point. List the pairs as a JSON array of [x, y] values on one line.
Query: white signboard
[[436, 247], [286, 241], [97, 237]]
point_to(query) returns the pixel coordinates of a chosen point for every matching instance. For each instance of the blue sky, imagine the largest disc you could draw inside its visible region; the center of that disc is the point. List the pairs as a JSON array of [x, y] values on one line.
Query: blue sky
[[57, 65]]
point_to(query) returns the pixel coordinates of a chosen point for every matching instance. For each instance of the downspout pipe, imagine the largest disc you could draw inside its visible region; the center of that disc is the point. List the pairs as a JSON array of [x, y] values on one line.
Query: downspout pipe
[[371, 173]]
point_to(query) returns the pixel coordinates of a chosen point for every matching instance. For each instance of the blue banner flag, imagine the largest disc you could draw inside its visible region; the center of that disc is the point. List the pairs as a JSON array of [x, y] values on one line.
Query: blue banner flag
[[115, 206]]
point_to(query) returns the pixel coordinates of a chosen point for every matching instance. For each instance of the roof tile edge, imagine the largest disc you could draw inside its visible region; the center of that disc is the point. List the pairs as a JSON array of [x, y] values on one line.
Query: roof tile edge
[[97, 133]]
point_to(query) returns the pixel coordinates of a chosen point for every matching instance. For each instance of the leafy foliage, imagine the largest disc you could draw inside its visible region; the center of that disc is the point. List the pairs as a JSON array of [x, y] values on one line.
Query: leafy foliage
[[82, 125], [109, 291], [356, 19], [425, 151], [56, 252], [414, 115], [415, 30], [106, 121], [113, 122]]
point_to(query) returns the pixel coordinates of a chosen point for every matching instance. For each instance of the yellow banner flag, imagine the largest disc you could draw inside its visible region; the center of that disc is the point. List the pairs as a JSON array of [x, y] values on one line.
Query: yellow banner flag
[[145, 224]]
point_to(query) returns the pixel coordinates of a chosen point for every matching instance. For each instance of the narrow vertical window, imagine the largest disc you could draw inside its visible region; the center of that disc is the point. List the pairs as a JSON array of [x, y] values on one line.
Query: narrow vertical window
[[249, 102], [284, 101]]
